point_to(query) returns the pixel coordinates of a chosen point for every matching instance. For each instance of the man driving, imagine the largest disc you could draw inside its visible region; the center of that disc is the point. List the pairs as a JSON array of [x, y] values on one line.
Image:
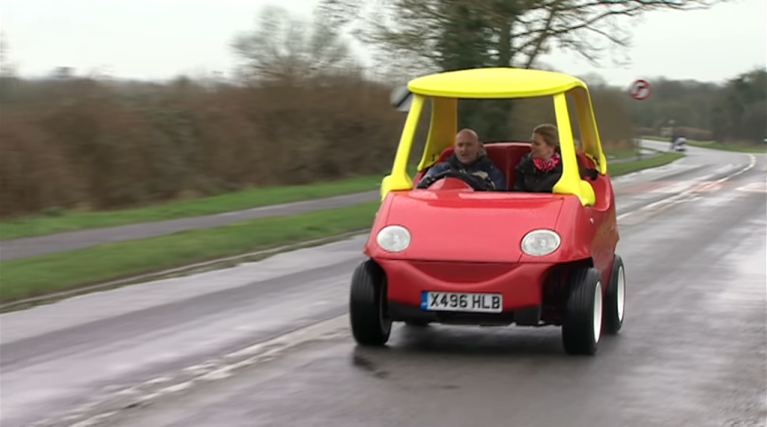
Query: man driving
[[468, 157]]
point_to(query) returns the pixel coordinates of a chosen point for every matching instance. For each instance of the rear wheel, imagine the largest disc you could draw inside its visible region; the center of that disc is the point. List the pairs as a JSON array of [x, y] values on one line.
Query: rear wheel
[[615, 299], [582, 325], [368, 308]]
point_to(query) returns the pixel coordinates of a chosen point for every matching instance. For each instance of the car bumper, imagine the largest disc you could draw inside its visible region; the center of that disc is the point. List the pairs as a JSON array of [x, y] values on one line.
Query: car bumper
[[519, 284]]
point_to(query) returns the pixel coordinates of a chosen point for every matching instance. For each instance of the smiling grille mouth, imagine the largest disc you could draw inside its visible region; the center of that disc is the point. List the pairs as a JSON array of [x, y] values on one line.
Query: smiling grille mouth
[[463, 272]]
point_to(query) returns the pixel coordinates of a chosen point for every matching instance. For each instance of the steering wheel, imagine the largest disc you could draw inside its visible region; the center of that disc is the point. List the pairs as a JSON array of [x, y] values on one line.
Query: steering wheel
[[475, 182]]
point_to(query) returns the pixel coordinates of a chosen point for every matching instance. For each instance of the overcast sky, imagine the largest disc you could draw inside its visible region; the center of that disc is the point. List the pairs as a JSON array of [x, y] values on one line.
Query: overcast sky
[[160, 38]]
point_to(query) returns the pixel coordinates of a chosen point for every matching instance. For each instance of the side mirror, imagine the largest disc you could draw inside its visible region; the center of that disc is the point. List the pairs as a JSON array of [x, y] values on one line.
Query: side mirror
[[401, 98]]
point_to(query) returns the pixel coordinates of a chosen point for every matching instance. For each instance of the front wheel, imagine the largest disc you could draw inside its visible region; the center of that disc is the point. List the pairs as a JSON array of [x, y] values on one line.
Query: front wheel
[[582, 325], [368, 308]]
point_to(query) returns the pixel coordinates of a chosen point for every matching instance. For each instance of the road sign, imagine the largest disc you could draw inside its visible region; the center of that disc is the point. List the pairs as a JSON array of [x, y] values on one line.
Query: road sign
[[639, 90]]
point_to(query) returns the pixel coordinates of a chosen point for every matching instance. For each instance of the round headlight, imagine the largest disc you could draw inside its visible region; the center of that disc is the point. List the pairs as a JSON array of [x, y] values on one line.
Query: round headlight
[[540, 242], [393, 238]]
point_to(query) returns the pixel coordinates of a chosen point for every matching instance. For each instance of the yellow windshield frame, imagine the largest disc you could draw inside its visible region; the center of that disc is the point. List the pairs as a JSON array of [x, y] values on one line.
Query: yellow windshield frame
[[443, 90]]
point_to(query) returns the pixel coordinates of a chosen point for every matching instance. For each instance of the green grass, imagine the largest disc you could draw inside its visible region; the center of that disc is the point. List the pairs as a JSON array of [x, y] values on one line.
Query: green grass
[[737, 147], [624, 168], [620, 154], [73, 221], [45, 274]]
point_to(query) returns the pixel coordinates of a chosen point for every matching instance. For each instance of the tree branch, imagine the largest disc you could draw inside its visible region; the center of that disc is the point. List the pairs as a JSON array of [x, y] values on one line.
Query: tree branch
[[415, 27]]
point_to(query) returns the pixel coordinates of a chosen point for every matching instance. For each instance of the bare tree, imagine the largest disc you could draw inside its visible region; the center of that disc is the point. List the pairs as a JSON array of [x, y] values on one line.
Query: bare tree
[[281, 48], [594, 80], [425, 36], [517, 31]]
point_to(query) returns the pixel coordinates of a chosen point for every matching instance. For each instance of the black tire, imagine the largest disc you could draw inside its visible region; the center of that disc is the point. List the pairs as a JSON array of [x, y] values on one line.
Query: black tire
[[615, 299], [580, 329], [368, 308]]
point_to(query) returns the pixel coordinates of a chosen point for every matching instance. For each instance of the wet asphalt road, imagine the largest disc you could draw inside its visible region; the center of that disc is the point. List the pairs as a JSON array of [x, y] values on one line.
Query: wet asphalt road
[[692, 351], [60, 242]]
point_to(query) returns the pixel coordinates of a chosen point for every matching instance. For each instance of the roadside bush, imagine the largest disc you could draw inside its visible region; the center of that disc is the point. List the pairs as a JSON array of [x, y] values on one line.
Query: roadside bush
[[99, 145], [613, 118], [95, 145], [646, 131], [695, 133]]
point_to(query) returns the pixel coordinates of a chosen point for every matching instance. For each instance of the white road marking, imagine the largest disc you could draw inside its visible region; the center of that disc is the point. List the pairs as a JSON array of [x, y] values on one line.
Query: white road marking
[[211, 370], [687, 194], [674, 187]]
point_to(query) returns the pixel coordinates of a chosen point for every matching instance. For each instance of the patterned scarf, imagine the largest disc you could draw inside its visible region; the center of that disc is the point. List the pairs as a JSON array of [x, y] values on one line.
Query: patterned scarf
[[547, 165]]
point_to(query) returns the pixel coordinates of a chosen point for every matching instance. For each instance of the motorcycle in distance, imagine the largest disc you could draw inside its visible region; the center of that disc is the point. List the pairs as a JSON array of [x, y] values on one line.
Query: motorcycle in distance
[[678, 143]]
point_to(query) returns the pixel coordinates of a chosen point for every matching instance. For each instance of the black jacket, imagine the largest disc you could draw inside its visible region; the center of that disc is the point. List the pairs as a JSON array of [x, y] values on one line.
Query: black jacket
[[482, 164], [533, 180]]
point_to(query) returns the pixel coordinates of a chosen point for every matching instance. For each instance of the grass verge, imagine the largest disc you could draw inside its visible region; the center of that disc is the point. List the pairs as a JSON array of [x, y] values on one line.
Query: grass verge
[[74, 221], [625, 154], [29, 277], [737, 147], [618, 169]]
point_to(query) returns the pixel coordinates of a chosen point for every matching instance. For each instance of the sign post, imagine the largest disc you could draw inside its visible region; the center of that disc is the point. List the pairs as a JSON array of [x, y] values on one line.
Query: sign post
[[639, 90]]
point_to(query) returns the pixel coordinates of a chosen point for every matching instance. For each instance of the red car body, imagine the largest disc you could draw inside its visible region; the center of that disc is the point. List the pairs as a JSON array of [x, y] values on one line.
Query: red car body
[[469, 241], [448, 251]]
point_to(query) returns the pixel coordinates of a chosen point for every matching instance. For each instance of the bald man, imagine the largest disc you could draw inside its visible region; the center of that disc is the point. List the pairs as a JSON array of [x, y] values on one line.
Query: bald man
[[469, 157]]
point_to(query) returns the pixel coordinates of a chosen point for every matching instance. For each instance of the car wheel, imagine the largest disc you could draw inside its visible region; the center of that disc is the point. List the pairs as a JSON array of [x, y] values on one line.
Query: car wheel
[[368, 308], [582, 325], [615, 299]]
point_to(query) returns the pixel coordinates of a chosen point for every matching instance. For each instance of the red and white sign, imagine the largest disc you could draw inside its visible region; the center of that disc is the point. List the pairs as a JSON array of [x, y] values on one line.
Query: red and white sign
[[639, 90]]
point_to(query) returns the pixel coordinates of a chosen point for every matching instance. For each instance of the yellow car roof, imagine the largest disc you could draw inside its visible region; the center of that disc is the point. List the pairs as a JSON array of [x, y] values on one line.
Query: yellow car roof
[[494, 83]]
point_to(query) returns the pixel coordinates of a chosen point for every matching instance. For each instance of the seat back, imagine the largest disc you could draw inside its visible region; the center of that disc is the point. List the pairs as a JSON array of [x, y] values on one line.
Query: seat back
[[510, 154], [601, 186], [584, 160], [507, 155]]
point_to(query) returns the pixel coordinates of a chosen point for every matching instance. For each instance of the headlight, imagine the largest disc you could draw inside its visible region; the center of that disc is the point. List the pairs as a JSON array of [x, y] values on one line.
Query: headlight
[[540, 242], [393, 238]]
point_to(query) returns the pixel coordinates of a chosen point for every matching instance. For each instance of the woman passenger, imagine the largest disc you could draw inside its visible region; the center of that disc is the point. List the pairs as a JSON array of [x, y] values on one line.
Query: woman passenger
[[538, 171]]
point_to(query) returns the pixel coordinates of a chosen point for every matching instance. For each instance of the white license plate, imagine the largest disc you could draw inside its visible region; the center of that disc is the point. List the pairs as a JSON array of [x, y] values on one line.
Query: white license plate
[[458, 301]]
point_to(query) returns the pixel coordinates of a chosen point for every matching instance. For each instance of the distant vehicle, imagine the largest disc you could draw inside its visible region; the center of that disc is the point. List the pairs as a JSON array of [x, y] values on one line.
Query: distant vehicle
[[679, 144], [455, 254]]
